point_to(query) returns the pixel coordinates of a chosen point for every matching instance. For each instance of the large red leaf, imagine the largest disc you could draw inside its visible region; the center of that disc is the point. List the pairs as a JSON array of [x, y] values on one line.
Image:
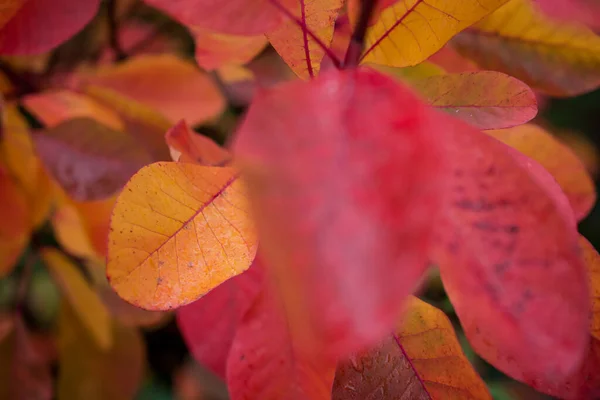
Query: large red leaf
[[510, 260], [266, 361], [346, 170], [241, 17], [209, 324], [40, 25]]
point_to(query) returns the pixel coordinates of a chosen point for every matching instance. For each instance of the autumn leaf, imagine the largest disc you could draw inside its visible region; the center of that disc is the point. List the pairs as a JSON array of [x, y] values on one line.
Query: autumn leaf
[[209, 324], [54, 107], [585, 11], [8, 9], [89, 160], [87, 371], [16, 222], [486, 100], [558, 59], [421, 359], [266, 362], [178, 230], [501, 274], [188, 146], [293, 42], [24, 374], [409, 32], [236, 17], [345, 200], [451, 61], [214, 50], [70, 231], [85, 302], [40, 25], [557, 159], [164, 82]]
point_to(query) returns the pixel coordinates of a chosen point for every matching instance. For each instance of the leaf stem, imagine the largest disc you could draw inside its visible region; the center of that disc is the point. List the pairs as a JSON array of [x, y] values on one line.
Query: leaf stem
[[113, 31], [357, 41]]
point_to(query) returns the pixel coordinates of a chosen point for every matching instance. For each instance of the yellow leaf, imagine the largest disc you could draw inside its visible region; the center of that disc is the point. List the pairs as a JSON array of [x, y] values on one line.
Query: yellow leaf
[[412, 30], [422, 359], [57, 106], [298, 49], [89, 372], [177, 231], [560, 59], [423, 70], [84, 300], [559, 161]]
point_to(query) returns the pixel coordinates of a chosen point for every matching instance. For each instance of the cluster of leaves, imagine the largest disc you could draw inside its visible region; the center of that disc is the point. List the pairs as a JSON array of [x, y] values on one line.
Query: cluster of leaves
[[398, 140]]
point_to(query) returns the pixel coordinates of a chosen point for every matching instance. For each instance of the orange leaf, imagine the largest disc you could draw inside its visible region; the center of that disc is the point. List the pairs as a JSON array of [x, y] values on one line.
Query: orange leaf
[[193, 147], [70, 231], [486, 100], [558, 159], [559, 59], [15, 228], [8, 8], [592, 260], [168, 84], [214, 50], [421, 359], [92, 373], [298, 49], [89, 160], [85, 302], [177, 231], [57, 106]]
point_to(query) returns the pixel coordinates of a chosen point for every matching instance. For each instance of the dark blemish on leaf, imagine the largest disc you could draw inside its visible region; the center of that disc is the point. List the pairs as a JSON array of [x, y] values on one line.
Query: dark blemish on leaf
[[485, 226], [242, 357], [474, 205], [512, 229], [161, 263], [453, 247], [501, 267], [190, 264], [492, 290], [491, 170], [159, 280]]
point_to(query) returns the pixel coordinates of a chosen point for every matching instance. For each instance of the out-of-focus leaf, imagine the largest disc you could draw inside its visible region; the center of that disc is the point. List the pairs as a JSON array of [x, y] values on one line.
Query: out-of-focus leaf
[[209, 324], [237, 17], [166, 83], [586, 11], [409, 32], [214, 50], [54, 107], [188, 146], [449, 59], [24, 374], [420, 71], [89, 160], [558, 59], [486, 99], [421, 359], [8, 9], [266, 361], [89, 372], [70, 231], [521, 296], [557, 159], [128, 314], [292, 41], [177, 231], [40, 25], [16, 225], [345, 199], [85, 302]]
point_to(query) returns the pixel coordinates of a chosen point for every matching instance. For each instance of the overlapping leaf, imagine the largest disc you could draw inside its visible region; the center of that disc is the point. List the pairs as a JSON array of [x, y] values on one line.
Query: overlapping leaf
[[294, 43], [209, 324], [188, 146], [214, 50], [559, 59], [586, 11], [38, 26], [486, 100], [521, 295], [557, 159], [410, 31], [177, 231], [421, 359], [346, 199]]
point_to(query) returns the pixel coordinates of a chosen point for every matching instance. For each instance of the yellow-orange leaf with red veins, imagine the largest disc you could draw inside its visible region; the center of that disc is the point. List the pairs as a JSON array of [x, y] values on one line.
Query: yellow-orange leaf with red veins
[[177, 231], [295, 45], [409, 31], [422, 359], [558, 159]]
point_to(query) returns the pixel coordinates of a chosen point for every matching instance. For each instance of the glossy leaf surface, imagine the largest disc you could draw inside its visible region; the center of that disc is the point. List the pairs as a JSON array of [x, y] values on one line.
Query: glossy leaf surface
[[177, 231], [340, 213], [421, 359]]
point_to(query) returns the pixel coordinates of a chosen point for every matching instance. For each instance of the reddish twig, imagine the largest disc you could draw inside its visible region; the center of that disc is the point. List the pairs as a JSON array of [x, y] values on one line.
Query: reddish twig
[[113, 31]]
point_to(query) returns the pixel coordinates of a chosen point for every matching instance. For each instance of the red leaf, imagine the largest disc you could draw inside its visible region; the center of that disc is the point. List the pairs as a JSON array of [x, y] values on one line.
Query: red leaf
[[510, 260], [40, 25], [194, 147], [266, 362], [241, 17], [209, 324], [585, 11], [346, 170]]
